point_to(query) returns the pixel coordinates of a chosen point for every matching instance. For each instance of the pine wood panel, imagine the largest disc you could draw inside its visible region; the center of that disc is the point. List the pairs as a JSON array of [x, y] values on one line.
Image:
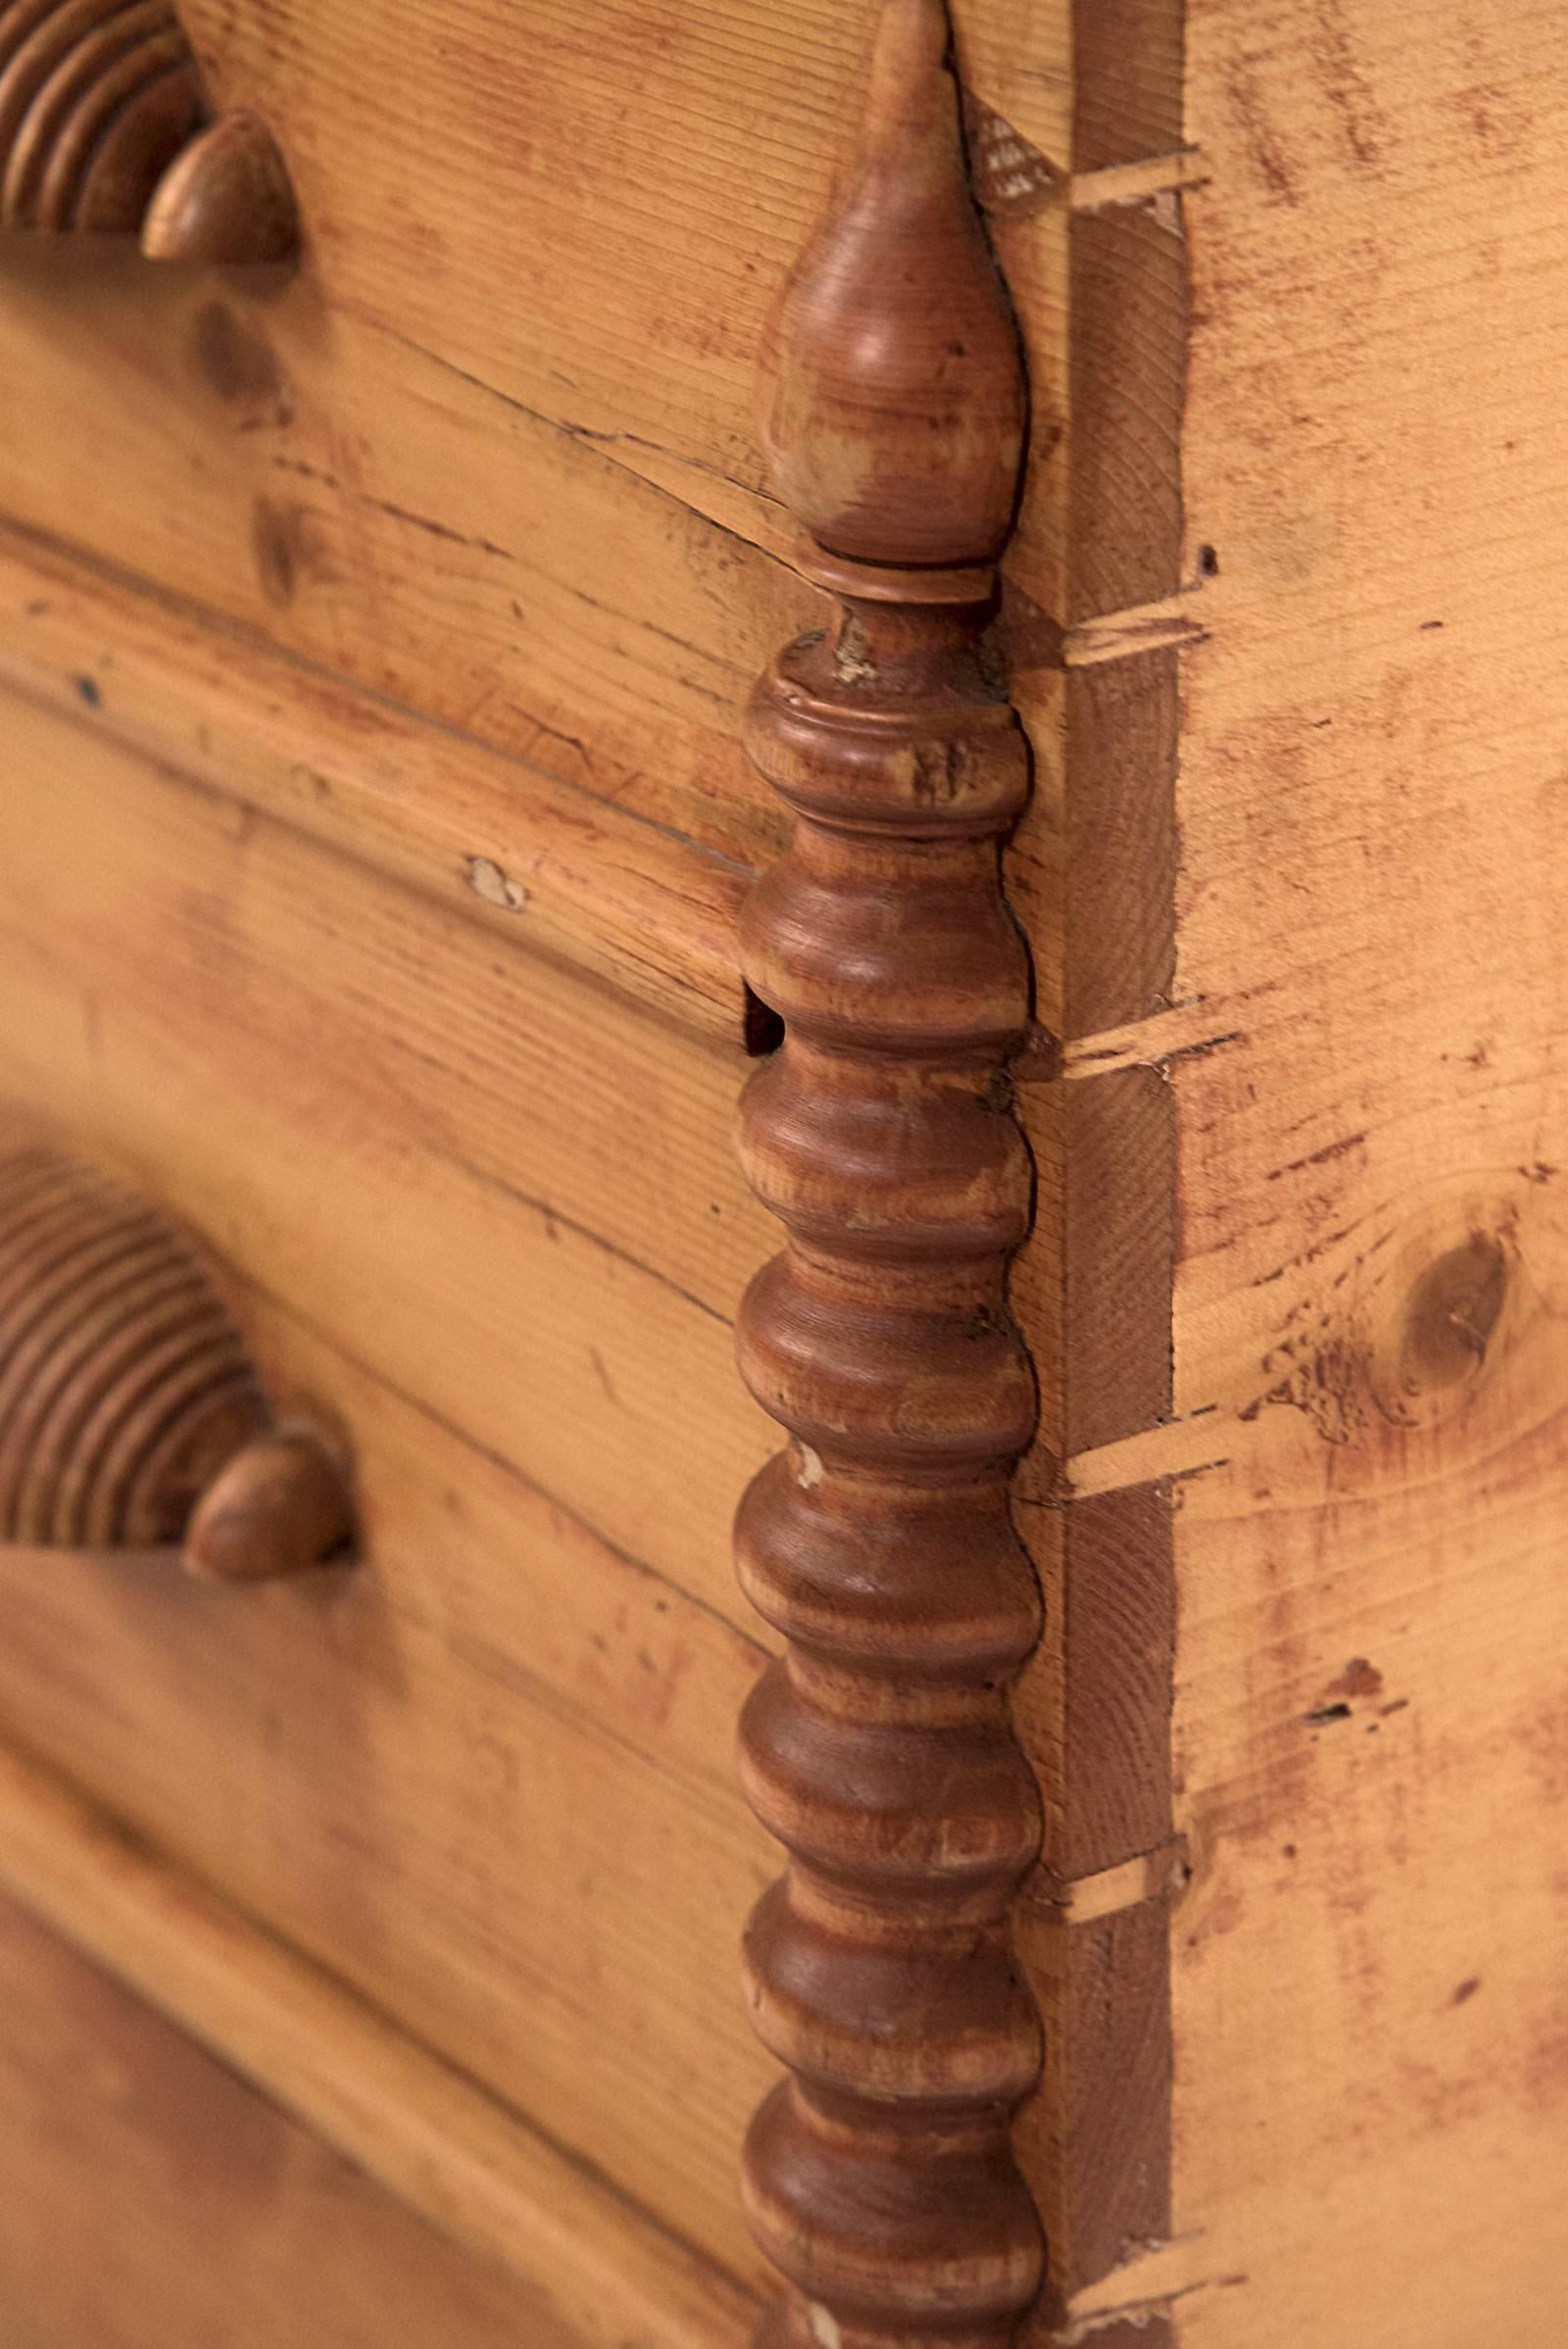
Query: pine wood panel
[[1370, 2097], [399, 1137], [418, 1139], [485, 1778], [493, 452], [494, 1743], [318, 479], [651, 913], [601, 2269], [213, 2217]]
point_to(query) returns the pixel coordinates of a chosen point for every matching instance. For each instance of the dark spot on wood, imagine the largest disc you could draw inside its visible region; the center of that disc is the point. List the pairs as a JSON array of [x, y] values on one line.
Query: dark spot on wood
[[1452, 1313], [1272, 162], [1322, 1157], [275, 535], [1209, 562], [1358, 1679], [1325, 1714], [1426, 624], [1348, 87], [1466, 1990], [239, 363], [90, 691]]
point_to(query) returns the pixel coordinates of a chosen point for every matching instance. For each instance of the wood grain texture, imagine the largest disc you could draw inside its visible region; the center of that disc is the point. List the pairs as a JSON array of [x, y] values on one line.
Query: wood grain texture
[[1126, 81], [567, 2261], [212, 2212], [490, 453], [374, 1764], [403, 1139], [880, 2177], [213, 2217], [1093, 1708], [430, 808], [1370, 2107], [1100, 2129], [363, 1103]]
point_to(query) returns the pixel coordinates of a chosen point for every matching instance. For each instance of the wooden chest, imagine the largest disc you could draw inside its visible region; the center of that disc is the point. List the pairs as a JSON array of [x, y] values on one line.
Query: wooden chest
[[1128, 440]]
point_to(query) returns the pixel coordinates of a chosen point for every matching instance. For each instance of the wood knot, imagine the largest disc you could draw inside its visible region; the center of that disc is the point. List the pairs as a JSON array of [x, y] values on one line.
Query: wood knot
[[1453, 1312]]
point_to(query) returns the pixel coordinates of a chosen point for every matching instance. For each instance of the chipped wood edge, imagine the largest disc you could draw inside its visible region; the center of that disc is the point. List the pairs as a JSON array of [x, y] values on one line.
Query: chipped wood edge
[[420, 2129], [547, 866]]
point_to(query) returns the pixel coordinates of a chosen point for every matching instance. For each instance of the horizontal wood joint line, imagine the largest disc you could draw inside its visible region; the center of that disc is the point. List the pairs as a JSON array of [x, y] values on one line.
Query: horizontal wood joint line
[[1085, 1899], [1135, 182], [433, 2138], [1157, 627]]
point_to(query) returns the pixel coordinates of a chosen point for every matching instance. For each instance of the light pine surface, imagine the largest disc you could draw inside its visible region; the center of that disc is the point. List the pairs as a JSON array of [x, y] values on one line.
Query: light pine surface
[[509, 1735], [213, 2217], [1365, 1058], [1372, 2103], [585, 2267], [1298, 1275]]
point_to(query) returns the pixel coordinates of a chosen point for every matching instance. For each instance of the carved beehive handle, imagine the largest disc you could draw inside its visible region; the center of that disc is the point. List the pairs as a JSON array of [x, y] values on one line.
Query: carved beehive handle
[[130, 1415], [106, 129], [879, 2177]]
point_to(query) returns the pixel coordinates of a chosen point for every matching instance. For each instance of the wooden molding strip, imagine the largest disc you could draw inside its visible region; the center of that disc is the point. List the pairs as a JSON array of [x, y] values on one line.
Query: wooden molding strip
[[546, 865], [422, 2131], [880, 2177]]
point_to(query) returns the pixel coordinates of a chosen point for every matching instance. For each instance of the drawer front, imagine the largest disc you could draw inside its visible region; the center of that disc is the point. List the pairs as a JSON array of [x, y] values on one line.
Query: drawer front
[[148, 2197], [486, 1774]]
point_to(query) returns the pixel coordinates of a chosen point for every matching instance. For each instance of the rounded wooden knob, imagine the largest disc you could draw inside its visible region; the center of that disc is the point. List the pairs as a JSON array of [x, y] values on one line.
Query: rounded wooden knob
[[227, 199], [131, 1416], [279, 1506]]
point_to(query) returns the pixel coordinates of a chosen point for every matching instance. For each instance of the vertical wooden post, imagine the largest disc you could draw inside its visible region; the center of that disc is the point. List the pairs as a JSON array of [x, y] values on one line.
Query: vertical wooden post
[[880, 2177]]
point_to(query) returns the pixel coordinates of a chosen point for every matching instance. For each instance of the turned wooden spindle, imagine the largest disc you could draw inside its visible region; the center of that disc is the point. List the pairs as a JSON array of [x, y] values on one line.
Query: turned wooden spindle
[[106, 129], [130, 1415], [879, 2177]]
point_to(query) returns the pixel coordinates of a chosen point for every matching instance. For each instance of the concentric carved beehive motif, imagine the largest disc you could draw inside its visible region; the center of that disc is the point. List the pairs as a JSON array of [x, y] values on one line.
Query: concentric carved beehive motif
[[879, 2177], [124, 1385], [130, 1415], [105, 130]]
